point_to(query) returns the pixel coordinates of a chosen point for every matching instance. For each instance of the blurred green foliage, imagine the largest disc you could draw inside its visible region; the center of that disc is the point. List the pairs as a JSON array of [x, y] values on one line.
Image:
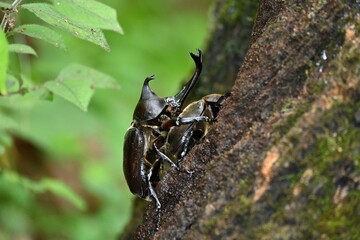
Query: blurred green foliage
[[83, 150]]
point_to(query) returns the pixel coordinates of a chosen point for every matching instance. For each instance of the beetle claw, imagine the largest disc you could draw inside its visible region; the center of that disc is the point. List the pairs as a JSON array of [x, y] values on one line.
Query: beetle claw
[[189, 172], [158, 216]]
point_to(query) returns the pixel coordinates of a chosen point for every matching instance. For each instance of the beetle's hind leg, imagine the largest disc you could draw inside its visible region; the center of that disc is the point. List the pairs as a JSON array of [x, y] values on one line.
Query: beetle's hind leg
[[156, 199]]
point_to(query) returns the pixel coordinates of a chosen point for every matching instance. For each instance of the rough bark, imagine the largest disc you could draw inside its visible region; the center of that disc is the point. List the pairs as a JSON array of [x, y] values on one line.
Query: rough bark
[[282, 161]]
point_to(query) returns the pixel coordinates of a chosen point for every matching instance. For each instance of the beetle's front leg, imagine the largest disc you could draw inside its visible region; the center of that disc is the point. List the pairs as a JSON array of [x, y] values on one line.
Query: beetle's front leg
[[167, 124]]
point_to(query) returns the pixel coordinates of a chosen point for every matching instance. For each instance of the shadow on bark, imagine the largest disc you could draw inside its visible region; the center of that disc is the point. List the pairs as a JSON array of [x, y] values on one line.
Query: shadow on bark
[[282, 160]]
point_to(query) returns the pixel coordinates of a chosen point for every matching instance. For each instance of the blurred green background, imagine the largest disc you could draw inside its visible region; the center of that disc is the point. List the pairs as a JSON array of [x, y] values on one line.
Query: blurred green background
[[84, 149]]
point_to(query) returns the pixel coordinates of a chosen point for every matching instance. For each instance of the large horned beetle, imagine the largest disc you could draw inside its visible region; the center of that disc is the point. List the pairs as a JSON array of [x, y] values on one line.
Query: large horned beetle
[[162, 130]]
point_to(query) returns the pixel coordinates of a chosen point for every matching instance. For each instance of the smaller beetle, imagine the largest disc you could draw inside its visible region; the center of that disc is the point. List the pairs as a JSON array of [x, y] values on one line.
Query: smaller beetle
[[181, 138], [160, 127]]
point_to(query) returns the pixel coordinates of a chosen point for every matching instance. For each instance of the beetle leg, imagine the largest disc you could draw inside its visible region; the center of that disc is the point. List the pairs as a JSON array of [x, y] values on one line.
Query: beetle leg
[[154, 196], [174, 165], [186, 120], [166, 158], [166, 125]]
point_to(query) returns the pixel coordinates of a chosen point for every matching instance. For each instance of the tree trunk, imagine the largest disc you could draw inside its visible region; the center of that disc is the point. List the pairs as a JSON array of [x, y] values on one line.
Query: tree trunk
[[283, 159]]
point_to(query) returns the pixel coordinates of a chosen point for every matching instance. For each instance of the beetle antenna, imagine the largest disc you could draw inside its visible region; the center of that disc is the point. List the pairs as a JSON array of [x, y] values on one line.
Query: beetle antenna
[[180, 96]]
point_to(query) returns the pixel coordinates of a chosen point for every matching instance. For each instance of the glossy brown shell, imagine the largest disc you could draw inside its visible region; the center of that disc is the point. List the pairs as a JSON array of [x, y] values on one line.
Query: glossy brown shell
[[133, 162]]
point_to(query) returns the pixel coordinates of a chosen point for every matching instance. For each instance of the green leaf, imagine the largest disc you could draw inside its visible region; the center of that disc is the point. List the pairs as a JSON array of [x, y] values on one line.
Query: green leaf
[[7, 122], [76, 91], [4, 57], [41, 32], [90, 13], [21, 48], [23, 102], [46, 184], [98, 79], [61, 190], [51, 15], [76, 83], [12, 83], [2, 150], [5, 5], [5, 141]]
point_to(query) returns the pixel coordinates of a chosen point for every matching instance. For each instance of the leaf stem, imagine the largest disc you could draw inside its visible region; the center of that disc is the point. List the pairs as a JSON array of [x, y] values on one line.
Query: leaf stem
[[8, 12]]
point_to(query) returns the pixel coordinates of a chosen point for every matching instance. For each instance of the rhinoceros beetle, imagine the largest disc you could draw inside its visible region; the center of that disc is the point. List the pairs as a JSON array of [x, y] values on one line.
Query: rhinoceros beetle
[[162, 130]]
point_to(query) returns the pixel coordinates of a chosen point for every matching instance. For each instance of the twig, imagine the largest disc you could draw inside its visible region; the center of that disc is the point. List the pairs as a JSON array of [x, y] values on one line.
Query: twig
[[8, 12]]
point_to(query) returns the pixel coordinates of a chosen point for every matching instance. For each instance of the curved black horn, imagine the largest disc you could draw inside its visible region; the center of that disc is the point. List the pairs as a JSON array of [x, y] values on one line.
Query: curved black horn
[[182, 94], [146, 92]]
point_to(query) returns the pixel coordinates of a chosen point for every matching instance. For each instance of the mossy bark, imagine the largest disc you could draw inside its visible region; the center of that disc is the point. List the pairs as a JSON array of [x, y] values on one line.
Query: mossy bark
[[283, 159]]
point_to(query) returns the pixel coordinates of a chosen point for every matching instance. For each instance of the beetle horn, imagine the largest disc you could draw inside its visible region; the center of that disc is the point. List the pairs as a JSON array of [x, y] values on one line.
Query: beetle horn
[[180, 96], [150, 105], [147, 93]]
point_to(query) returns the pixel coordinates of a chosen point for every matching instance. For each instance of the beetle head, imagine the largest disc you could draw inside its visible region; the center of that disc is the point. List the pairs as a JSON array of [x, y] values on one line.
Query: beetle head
[[150, 105]]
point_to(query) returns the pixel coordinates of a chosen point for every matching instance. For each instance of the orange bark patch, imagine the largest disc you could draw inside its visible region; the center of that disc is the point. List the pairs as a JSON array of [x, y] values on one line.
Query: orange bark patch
[[266, 171]]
